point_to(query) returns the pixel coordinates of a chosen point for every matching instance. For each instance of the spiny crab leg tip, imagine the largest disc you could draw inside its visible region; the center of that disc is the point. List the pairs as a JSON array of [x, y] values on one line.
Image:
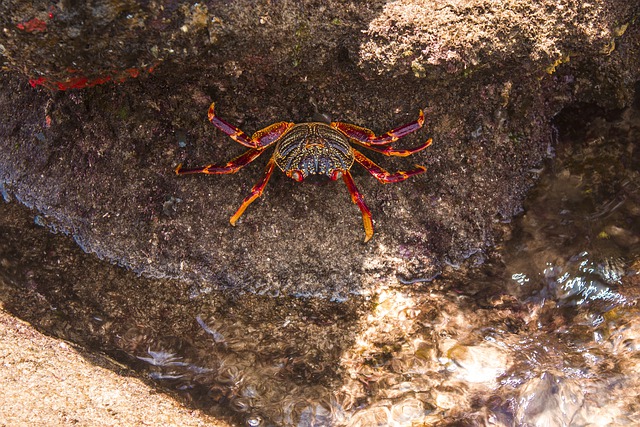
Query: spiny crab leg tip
[[368, 229], [210, 112], [421, 118], [177, 169]]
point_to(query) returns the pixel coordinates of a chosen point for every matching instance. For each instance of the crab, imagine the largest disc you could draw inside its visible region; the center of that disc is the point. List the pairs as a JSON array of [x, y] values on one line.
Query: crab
[[312, 150]]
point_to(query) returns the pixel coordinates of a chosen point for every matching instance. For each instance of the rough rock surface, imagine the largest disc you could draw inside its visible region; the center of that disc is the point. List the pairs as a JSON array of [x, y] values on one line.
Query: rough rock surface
[[98, 163]]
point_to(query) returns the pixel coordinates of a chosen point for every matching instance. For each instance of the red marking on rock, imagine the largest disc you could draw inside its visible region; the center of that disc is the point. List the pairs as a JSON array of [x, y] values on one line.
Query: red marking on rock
[[80, 81], [40, 81], [34, 25]]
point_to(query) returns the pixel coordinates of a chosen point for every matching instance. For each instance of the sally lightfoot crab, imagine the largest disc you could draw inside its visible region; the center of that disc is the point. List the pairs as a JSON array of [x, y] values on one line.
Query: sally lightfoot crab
[[315, 149]]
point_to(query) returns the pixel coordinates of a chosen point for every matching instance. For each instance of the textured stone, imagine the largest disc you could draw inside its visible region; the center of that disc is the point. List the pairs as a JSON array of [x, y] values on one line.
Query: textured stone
[[98, 163]]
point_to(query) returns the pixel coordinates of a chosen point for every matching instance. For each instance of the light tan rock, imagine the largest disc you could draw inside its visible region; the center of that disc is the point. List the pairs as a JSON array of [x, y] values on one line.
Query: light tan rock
[[47, 382]]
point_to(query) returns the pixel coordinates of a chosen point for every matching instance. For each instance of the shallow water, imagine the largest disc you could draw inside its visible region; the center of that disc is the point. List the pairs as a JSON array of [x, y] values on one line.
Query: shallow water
[[545, 333]]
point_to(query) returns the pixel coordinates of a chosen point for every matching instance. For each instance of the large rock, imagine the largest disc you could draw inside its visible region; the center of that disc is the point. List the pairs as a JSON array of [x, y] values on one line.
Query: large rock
[[98, 163]]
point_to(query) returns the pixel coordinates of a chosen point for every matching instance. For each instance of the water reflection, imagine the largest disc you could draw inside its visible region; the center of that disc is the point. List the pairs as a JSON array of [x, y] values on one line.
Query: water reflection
[[547, 333]]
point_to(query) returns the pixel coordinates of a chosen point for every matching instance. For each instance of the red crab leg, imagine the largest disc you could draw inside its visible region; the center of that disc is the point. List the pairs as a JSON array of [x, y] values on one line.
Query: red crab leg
[[367, 137], [260, 139], [231, 167], [381, 174], [359, 200], [256, 191], [388, 151]]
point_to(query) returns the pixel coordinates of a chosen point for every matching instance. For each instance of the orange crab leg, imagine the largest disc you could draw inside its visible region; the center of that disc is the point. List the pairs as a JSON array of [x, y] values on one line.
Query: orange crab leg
[[231, 167], [388, 151], [260, 139], [256, 191], [382, 175], [357, 198], [367, 137]]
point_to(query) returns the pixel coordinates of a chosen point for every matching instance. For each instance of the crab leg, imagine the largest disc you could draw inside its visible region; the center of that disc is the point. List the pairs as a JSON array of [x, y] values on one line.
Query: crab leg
[[256, 191], [367, 137], [388, 151], [382, 175], [357, 198], [231, 167], [260, 139]]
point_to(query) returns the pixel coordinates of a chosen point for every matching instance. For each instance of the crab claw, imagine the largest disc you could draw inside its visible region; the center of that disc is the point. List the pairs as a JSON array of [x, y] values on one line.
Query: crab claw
[[296, 175], [335, 174]]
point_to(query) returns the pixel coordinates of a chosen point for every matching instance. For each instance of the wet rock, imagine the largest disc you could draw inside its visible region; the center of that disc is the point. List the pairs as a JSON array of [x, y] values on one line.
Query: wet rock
[[98, 163]]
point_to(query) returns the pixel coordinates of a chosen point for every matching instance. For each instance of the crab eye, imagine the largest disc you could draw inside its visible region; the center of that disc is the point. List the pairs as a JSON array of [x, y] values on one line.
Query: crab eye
[[335, 174], [296, 175]]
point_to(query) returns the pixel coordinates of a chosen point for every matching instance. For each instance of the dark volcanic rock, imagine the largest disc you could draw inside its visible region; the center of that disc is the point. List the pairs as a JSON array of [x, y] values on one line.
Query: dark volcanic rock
[[98, 163]]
